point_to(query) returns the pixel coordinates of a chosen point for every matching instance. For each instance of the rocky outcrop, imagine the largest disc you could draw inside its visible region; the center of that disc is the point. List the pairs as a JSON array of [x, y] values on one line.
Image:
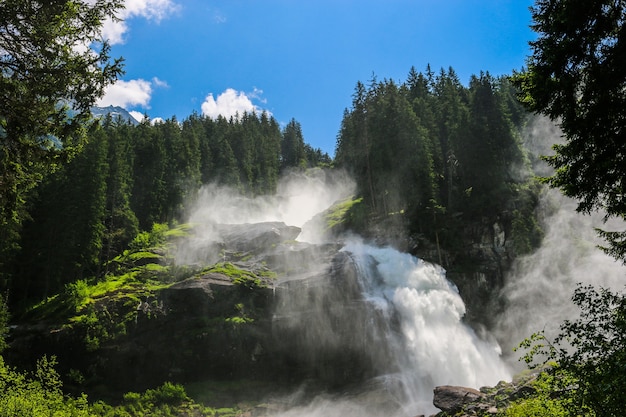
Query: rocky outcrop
[[257, 237], [452, 399], [488, 401], [233, 321], [270, 309]]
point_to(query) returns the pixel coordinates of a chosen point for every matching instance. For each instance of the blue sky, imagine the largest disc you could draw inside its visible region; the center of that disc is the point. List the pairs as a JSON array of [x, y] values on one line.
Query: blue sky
[[301, 59]]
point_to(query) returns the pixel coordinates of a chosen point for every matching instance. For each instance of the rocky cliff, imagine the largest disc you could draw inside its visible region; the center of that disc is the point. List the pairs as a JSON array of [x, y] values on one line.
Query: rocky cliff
[[251, 303], [234, 319]]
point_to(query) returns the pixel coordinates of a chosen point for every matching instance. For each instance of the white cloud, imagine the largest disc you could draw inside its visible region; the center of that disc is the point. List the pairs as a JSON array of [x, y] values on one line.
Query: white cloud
[[131, 93], [230, 103], [219, 17], [150, 9], [159, 83], [155, 10], [127, 93], [114, 31]]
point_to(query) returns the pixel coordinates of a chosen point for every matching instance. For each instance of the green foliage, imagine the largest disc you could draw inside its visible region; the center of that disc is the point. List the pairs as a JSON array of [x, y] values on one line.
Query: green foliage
[[438, 153], [338, 213], [590, 351], [38, 394], [541, 404], [129, 179], [40, 72], [526, 232], [576, 76], [77, 294], [79, 225], [147, 240], [4, 322], [101, 310], [292, 146], [167, 400], [241, 318], [239, 276]]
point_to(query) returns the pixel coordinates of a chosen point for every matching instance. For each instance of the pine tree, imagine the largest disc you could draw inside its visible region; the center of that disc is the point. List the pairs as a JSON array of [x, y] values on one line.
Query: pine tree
[[63, 241], [149, 193], [120, 222], [292, 146]]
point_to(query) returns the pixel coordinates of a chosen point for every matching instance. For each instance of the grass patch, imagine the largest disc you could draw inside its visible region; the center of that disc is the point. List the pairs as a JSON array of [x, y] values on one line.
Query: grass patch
[[337, 214], [241, 277]]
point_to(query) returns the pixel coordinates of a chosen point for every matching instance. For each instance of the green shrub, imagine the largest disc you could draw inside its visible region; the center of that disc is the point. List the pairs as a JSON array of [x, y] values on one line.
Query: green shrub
[[37, 395], [536, 407], [590, 353], [151, 239], [4, 322], [77, 294], [546, 402]]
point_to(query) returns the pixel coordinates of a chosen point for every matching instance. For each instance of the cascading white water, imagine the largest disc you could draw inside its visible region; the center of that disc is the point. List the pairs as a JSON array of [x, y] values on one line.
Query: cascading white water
[[432, 345]]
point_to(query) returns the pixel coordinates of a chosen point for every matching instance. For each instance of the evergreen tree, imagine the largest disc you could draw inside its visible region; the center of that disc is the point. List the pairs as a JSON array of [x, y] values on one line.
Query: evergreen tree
[[490, 156], [267, 155], [576, 76], [120, 222], [204, 126], [149, 193], [181, 173], [40, 72], [224, 161], [244, 133], [292, 146], [452, 120], [400, 162], [63, 241], [353, 144]]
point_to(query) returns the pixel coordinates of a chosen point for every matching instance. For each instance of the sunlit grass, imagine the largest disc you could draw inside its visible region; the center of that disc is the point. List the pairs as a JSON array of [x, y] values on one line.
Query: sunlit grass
[[336, 215]]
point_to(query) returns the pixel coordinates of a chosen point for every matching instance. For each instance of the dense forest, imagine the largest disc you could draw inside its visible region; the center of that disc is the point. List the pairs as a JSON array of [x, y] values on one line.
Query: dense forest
[[440, 153], [127, 178], [429, 151]]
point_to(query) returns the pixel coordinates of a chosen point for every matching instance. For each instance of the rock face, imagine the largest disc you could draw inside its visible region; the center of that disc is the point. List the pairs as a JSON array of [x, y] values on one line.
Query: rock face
[[257, 237], [305, 325], [489, 401], [318, 326], [452, 399], [219, 326]]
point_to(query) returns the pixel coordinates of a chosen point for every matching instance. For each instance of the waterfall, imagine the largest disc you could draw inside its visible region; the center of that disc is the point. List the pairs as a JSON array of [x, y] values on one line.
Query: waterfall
[[385, 321], [431, 345], [377, 328]]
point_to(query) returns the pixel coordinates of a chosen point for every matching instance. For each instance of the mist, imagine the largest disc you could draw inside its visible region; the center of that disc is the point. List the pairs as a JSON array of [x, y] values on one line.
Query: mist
[[413, 326], [298, 198], [401, 314], [538, 289]]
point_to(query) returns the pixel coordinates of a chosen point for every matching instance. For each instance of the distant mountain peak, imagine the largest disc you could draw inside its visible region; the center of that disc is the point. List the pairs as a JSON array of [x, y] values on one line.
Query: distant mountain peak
[[116, 113]]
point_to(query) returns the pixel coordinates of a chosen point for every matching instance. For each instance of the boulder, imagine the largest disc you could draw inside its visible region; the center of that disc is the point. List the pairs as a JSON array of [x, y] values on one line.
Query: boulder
[[257, 237], [452, 399]]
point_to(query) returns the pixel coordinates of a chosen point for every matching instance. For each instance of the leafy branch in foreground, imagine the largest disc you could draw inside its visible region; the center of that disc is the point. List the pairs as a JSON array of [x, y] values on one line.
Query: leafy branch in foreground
[[576, 76], [588, 354]]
